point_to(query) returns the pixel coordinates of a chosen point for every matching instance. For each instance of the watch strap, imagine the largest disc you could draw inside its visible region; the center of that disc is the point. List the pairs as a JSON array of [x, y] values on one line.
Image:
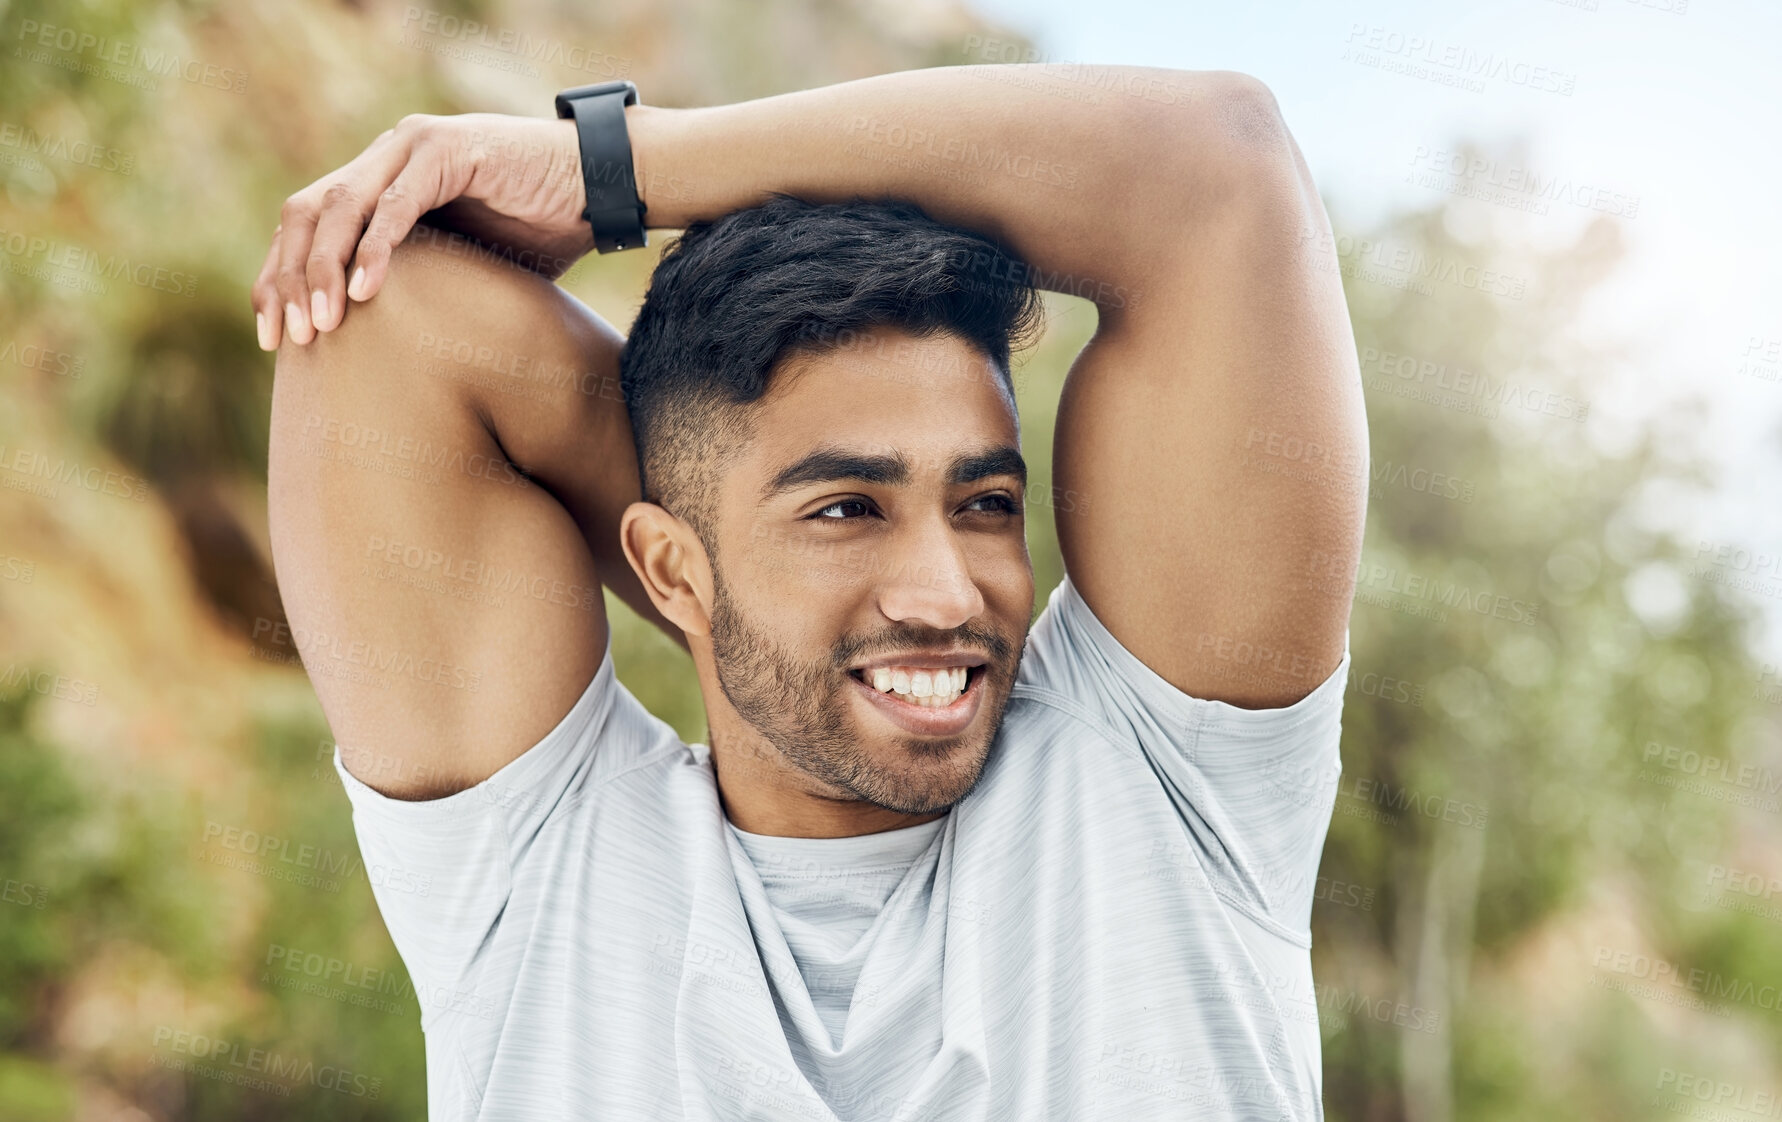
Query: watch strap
[[613, 208]]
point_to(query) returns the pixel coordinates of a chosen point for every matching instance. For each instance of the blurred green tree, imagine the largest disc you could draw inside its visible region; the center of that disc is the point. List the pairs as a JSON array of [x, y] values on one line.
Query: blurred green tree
[[1506, 499]]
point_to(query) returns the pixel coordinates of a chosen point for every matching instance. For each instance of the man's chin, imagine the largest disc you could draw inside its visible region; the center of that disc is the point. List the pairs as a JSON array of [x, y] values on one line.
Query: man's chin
[[925, 777]]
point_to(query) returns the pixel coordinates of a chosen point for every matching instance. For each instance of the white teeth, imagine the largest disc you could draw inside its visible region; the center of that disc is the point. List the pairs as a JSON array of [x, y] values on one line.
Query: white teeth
[[931, 689]]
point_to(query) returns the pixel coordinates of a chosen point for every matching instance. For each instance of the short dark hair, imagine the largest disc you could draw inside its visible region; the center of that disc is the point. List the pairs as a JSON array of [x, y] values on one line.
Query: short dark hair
[[733, 297]]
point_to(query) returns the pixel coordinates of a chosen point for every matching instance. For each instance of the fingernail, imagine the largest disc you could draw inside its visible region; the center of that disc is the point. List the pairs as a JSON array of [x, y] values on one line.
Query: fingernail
[[260, 330], [356, 287], [318, 308], [293, 320]]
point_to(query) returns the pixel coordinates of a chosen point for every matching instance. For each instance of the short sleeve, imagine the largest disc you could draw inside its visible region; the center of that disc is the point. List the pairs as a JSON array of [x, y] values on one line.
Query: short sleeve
[[1254, 787], [441, 870]]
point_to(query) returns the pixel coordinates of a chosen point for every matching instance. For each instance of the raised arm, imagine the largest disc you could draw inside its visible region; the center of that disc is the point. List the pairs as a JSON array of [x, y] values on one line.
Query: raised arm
[[447, 471], [1211, 436]]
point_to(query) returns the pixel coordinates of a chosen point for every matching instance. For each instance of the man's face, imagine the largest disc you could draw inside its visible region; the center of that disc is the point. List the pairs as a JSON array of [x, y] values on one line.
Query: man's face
[[872, 535]]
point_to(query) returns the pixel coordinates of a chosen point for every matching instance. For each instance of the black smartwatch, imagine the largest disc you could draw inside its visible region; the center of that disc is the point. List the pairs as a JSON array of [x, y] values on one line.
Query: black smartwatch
[[613, 210]]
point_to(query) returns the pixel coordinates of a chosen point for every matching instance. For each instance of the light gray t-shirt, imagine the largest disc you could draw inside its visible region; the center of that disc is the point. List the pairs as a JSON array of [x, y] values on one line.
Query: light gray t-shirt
[[825, 895], [1113, 925]]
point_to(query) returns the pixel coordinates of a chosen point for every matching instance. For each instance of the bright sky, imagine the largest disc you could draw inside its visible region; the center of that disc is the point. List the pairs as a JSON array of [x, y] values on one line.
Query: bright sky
[[1677, 102]]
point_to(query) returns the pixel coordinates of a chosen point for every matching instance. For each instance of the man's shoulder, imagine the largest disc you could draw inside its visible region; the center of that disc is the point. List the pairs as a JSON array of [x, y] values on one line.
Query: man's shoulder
[[609, 738], [1068, 675]]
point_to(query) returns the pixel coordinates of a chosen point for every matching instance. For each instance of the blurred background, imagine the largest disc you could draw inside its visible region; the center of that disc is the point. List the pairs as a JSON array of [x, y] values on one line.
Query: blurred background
[[1553, 885]]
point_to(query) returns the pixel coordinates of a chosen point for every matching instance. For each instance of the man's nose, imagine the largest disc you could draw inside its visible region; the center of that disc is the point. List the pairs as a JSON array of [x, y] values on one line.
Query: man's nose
[[929, 582]]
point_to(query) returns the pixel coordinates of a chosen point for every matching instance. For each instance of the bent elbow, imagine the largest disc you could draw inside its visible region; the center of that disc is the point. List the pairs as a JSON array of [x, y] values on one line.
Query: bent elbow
[[1245, 123]]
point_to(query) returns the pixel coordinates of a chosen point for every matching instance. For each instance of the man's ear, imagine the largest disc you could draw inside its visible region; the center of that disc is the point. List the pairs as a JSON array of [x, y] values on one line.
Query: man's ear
[[671, 562]]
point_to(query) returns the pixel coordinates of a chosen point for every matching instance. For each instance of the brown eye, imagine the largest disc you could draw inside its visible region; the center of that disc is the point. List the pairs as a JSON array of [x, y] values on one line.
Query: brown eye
[[1003, 504], [861, 504]]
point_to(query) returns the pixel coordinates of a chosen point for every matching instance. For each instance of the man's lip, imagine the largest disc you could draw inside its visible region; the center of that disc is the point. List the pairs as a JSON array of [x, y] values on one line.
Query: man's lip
[[924, 659], [922, 720]]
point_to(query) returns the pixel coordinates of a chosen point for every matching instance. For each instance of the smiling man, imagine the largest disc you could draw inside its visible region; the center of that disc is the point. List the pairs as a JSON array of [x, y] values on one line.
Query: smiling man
[[935, 863]]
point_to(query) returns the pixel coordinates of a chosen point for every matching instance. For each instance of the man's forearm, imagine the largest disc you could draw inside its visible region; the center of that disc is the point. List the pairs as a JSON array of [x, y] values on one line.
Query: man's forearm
[[1079, 189]]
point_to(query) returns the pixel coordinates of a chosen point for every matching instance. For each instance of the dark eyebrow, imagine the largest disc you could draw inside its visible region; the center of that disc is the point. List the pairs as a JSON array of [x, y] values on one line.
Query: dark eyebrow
[[1005, 460], [830, 464]]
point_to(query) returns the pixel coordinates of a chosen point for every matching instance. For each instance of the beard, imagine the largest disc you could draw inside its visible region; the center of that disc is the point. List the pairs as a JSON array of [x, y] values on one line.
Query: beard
[[802, 708]]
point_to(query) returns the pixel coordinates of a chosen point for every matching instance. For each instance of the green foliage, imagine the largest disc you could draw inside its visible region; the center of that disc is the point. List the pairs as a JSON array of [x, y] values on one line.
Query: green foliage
[[86, 867], [1543, 724], [40, 803], [1540, 723]]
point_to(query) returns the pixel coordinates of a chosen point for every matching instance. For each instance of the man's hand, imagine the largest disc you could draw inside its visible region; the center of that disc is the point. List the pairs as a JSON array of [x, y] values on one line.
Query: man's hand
[[514, 182]]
